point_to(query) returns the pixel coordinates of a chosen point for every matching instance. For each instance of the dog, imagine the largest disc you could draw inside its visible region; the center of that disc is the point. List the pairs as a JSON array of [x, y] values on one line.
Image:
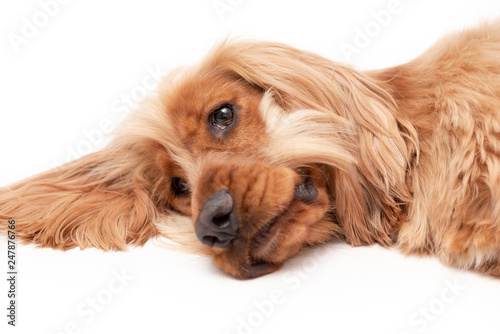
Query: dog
[[262, 150]]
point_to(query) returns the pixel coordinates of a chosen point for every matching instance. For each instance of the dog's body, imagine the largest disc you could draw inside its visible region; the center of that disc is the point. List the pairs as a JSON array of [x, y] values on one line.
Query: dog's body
[[270, 149]]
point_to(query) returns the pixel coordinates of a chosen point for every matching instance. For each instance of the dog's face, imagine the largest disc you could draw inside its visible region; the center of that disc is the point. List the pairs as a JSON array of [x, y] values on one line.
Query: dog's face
[[263, 153], [253, 154], [251, 214], [260, 147]]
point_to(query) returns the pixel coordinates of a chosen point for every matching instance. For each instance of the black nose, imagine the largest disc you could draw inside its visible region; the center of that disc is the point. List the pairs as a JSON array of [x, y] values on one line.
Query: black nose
[[217, 224]]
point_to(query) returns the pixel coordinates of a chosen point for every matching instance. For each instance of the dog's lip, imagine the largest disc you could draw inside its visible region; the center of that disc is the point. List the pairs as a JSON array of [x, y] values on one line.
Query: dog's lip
[[262, 239], [259, 269]]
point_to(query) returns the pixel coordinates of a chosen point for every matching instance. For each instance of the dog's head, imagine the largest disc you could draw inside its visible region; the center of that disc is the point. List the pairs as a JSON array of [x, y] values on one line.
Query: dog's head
[[262, 148]]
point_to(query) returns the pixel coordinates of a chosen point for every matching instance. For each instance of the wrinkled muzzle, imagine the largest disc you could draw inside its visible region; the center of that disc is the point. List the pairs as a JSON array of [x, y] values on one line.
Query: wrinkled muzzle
[[253, 217]]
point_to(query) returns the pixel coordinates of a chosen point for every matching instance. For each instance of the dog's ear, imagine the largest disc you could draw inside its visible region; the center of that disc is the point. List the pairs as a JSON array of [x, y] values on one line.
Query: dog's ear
[[372, 195], [107, 199], [100, 200], [370, 190]]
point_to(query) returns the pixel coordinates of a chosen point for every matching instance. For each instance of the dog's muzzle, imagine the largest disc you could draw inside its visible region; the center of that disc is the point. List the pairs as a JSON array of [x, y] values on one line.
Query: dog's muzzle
[[217, 225]]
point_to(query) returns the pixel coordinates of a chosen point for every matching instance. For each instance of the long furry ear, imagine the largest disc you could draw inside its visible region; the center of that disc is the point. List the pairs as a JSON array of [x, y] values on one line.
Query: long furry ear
[[371, 193], [99, 200], [108, 199]]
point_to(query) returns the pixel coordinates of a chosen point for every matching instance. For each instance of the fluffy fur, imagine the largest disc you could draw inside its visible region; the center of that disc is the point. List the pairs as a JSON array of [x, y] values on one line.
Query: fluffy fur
[[407, 157]]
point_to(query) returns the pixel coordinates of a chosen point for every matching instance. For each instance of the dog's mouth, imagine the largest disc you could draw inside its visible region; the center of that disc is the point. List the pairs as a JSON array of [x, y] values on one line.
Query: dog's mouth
[[263, 242]]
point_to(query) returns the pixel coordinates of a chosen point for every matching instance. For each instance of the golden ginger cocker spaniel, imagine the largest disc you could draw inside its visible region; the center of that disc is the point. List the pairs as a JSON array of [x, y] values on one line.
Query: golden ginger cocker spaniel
[[262, 149]]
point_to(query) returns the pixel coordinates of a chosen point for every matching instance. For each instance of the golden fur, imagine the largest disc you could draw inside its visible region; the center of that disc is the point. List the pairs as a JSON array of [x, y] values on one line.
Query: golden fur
[[407, 157]]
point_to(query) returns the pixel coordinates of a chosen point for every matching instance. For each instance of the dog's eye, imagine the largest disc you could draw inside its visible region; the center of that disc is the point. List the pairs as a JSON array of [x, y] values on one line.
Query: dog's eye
[[180, 187], [222, 117]]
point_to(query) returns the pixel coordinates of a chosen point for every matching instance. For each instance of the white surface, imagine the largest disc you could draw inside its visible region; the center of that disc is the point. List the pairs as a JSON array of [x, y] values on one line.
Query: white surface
[[75, 74]]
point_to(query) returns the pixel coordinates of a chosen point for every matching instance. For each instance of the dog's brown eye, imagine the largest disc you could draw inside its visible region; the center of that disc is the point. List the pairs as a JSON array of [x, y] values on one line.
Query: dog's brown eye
[[222, 117], [180, 187]]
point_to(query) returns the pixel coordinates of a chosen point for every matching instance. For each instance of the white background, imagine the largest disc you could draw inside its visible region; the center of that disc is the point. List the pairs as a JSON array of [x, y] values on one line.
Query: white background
[[76, 72]]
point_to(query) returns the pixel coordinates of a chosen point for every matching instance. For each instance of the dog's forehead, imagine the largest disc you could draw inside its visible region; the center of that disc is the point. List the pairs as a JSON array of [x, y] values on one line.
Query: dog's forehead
[[195, 93]]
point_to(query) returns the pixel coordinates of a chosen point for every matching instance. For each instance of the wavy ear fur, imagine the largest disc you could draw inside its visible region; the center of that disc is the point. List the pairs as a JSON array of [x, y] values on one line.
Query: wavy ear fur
[[98, 201], [370, 194], [107, 199]]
